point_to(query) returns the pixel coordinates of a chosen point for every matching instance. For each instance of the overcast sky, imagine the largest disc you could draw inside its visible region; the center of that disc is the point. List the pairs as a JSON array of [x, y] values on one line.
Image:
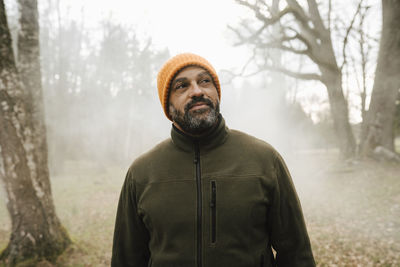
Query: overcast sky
[[181, 25]]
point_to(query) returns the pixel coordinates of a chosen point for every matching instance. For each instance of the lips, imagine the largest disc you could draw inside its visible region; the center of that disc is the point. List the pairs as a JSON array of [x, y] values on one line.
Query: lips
[[199, 105]]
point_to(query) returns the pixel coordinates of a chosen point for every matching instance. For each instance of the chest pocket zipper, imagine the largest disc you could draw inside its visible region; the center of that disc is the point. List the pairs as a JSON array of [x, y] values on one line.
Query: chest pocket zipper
[[213, 206]]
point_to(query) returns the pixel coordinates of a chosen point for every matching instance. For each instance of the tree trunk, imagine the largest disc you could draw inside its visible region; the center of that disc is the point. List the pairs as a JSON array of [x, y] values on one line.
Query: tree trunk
[[378, 128], [28, 66], [36, 231], [331, 77], [340, 115]]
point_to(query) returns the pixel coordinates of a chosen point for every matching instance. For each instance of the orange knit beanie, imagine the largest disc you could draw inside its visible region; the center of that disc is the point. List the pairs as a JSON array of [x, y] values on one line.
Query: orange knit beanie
[[171, 68]]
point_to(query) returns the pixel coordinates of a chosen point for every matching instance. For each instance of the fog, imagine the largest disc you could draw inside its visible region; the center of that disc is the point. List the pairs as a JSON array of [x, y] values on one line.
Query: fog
[[102, 111], [99, 81], [99, 68]]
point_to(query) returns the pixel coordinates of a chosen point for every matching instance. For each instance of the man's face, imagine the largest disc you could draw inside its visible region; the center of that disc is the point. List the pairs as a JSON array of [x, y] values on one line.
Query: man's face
[[193, 100]]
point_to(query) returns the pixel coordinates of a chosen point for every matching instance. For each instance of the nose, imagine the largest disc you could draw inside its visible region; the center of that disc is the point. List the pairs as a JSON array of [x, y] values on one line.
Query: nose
[[195, 89]]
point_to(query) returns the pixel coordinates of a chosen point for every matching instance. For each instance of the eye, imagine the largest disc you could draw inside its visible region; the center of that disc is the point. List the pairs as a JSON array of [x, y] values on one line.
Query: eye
[[180, 86], [205, 80]]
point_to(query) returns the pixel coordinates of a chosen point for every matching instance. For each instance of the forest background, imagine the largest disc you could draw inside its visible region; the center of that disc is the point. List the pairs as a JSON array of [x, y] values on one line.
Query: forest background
[[316, 79]]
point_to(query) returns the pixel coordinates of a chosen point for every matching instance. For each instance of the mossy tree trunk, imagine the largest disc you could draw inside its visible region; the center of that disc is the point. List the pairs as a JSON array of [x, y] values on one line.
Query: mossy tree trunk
[[36, 231]]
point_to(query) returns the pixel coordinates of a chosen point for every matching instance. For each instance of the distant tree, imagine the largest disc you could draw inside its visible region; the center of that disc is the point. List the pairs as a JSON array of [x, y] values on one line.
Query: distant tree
[[378, 129], [303, 32], [103, 81], [365, 47], [36, 231]]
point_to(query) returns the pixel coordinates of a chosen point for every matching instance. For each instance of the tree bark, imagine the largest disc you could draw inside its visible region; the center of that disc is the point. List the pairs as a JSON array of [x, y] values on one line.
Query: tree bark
[[340, 116], [378, 127], [331, 77], [36, 231]]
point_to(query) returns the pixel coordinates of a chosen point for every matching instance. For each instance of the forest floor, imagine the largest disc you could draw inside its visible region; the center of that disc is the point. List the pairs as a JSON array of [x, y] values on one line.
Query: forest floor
[[352, 210]]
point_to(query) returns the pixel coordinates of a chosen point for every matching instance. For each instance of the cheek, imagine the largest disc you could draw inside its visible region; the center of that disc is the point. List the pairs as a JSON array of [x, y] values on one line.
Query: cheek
[[212, 92], [177, 102], [170, 109], [214, 97]]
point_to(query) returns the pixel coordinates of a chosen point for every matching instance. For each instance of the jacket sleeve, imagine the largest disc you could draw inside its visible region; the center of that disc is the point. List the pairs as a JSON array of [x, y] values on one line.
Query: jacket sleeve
[[130, 244], [288, 232]]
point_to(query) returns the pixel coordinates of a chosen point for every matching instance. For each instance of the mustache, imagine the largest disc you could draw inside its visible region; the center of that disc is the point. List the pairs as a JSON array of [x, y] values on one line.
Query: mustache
[[197, 99]]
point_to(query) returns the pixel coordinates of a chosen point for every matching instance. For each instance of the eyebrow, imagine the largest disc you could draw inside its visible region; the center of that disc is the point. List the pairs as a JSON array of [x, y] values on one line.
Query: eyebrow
[[174, 82], [204, 73], [183, 79]]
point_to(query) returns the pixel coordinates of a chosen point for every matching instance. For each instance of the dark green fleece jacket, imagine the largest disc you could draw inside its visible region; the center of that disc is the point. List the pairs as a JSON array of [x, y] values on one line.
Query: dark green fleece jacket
[[223, 200]]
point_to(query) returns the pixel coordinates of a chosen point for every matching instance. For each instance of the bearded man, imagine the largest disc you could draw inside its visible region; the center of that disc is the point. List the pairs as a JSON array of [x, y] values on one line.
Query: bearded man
[[208, 196]]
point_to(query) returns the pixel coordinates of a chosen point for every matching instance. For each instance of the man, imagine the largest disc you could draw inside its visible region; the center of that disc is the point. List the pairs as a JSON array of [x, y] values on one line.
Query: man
[[208, 196]]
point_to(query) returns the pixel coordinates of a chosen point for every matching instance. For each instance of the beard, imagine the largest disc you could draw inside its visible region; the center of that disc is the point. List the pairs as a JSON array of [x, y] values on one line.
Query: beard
[[197, 121]]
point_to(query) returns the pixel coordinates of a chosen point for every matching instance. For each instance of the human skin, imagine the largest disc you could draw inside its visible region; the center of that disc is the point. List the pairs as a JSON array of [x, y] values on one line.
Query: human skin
[[189, 83]]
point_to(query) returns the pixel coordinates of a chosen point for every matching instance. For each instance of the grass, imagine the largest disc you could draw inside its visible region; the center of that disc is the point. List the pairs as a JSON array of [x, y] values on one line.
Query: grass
[[87, 206], [351, 210], [85, 200]]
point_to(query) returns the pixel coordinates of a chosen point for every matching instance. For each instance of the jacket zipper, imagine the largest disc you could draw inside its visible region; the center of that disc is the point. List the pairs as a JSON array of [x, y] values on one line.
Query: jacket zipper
[[213, 206], [199, 205]]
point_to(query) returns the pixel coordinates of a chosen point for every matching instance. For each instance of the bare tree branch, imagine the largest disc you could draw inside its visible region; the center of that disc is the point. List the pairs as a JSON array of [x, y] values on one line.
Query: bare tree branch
[[308, 36], [302, 17], [293, 74], [309, 31], [279, 44], [312, 46], [345, 41], [297, 75], [329, 14], [265, 67], [295, 51], [238, 34], [242, 71], [267, 20], [364, 52], [316, 16], [249, 39], [309, 41]]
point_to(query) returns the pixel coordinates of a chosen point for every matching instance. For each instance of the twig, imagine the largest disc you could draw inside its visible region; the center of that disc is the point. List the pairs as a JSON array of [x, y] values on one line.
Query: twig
[[348, 33]]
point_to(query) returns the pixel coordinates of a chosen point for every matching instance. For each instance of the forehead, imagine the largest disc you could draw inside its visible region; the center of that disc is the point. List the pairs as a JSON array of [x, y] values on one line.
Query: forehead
[[190, 72]]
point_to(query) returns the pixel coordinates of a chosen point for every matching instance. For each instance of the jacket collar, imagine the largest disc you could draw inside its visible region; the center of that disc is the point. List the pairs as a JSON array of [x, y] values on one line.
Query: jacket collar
[[213, 138]]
